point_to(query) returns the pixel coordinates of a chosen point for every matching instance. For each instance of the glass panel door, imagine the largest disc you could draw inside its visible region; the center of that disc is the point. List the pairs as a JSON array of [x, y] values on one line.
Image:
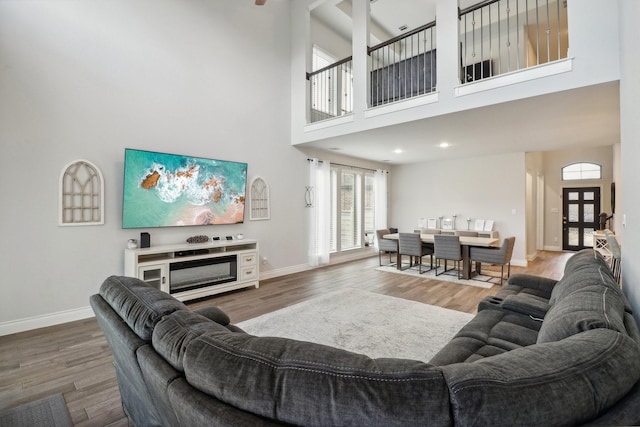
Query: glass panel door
[[581, 208]]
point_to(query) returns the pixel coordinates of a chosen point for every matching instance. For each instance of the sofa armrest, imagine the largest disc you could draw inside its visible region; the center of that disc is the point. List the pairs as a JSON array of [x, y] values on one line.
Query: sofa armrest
[[215, 314], [528, 305], [534, 307], [542, 284]]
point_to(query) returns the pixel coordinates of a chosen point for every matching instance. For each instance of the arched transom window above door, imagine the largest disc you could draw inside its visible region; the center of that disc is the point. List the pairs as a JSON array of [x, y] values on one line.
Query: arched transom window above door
[[578, 171]]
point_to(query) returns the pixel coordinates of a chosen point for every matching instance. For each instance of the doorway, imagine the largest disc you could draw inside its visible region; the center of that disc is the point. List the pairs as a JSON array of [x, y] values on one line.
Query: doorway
[[580, 217]]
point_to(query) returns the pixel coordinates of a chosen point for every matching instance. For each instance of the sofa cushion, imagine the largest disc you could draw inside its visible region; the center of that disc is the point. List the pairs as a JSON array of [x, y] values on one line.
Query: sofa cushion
[[568, 382], [489, 333], [303, 383], [140, 305], [175, 331], [214, 313], [590, 307], [528, 285]]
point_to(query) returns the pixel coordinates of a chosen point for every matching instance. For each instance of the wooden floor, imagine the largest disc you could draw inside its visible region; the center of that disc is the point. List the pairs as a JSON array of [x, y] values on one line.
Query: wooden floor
[[73, 358]]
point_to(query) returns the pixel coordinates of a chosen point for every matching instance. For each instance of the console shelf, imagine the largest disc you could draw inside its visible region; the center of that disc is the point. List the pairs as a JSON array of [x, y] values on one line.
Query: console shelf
[[196, 270]]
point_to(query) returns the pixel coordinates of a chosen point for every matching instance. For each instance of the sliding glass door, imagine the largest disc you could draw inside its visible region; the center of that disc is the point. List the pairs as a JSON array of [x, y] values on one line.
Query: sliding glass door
[[352, 207]]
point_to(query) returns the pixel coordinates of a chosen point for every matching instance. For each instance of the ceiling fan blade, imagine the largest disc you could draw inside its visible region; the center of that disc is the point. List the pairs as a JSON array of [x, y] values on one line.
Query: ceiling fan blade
[[260, 2]]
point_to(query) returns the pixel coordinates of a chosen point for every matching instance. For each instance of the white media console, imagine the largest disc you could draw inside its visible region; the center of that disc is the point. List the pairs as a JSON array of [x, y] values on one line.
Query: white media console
[[196, 270]]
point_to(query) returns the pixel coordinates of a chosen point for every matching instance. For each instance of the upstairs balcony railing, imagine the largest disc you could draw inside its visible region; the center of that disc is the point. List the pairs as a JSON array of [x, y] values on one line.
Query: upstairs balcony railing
[[495, 36], [500, 36], [331, 91], [404, 66]]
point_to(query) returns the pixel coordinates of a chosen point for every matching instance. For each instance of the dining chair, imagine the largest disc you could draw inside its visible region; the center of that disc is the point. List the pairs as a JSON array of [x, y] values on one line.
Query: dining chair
[[447, 247], [411, 245], [467, 233], [385, 245], [500, 256]]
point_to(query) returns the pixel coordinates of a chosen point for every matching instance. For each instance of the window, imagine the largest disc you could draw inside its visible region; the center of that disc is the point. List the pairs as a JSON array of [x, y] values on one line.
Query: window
[[352, 208], [578, 171]]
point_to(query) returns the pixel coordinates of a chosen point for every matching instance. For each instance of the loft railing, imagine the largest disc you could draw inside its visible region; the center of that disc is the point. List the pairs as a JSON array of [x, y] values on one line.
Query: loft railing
[[495, 36], [500, 36], [403, 67], [331, 91]]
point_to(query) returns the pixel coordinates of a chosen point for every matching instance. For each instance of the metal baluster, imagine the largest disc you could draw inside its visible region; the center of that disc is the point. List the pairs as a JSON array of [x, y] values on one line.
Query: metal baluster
[[490, 43], [527, 26], [473, 41], [517, 34], [548, 32], [558, 15], [482, 76], [499, 43], [537, 33], [508, 10]]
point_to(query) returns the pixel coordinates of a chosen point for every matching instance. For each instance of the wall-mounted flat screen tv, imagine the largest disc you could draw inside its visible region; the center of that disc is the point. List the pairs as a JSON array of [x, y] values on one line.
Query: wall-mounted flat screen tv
[[168, 190]]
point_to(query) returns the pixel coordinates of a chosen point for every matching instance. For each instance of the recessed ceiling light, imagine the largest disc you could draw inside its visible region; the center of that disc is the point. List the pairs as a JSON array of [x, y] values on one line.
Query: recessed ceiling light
[[397, 150], [443, 145], [402, 27], [335, 149]]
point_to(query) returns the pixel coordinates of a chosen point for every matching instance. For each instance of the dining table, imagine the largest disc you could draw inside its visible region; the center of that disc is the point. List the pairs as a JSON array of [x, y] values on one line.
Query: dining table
[[466, 242]]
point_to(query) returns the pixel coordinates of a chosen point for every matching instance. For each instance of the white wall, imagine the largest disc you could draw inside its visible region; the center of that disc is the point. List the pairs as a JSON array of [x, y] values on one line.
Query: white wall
[[84, 80], [630, 152], [489, 187]]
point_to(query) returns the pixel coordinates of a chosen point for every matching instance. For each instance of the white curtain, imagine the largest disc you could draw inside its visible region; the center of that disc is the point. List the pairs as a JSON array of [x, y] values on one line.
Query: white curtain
[[380, 189], [318, 205]]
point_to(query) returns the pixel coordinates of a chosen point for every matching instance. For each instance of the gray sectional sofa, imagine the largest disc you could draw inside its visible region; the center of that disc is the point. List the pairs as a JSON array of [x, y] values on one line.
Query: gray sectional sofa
[[540, 352]]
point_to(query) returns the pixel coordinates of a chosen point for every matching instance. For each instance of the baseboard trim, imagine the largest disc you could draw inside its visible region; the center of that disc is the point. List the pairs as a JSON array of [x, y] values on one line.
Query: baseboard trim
[[278, 272], [553, 248], [36, 322], [519, 262]]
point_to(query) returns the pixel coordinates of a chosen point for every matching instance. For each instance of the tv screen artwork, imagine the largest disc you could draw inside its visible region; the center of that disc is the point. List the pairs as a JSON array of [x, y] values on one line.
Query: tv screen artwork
[[166, 190]]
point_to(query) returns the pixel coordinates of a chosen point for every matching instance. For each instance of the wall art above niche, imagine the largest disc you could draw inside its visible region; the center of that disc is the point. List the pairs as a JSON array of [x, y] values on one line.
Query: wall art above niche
[[81, 194]]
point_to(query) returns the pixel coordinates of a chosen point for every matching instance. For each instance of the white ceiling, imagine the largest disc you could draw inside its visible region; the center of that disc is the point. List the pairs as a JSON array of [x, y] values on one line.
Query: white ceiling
[[586, 117], [583, 117]]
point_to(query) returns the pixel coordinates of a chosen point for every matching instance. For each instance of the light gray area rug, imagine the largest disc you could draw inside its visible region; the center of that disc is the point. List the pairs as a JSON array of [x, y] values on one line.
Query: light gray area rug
[[485, 280], [364, 322], [48, 412]]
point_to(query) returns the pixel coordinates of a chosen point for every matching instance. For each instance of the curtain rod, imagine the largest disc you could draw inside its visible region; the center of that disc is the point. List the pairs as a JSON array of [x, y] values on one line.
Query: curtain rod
[[351, 166]]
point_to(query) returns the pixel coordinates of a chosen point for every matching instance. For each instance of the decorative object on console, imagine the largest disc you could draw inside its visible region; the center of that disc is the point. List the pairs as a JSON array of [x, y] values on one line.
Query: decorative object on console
[[215, 237], [432, 223], [168, 190], [198, 239], [132, 244], [488, 225], [81, 194], [145, 240], [479, 225]]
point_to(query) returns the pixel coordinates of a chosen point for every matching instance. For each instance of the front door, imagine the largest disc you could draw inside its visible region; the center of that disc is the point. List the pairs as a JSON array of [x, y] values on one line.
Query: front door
[[580, 217]]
